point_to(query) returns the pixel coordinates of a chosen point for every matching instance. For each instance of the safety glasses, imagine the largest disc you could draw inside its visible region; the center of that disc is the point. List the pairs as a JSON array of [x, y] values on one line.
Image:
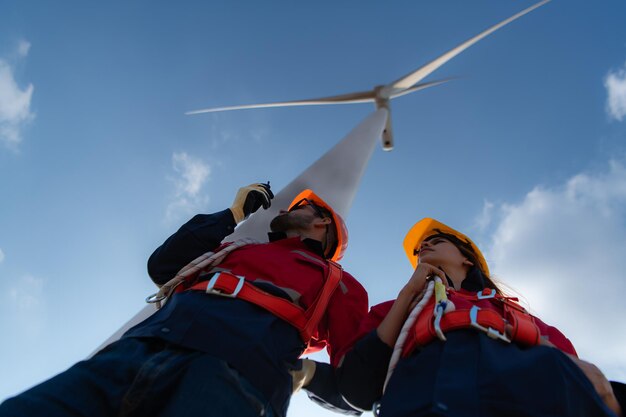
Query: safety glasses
[[304, 202]]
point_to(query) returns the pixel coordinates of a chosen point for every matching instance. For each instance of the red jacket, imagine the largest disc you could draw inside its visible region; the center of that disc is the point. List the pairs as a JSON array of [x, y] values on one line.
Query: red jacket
[[291, 266], [380, 311]]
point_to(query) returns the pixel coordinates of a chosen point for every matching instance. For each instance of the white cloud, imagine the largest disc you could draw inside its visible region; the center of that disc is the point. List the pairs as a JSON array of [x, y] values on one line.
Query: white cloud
[[23, 47], [1, 256], [26, 294], [191, 174], [564, 250], [615, 83], [485, 218], [14, 102]]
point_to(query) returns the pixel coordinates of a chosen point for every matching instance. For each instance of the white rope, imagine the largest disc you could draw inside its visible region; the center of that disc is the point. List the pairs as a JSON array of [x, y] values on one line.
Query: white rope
[[404, 332], [201, 264]]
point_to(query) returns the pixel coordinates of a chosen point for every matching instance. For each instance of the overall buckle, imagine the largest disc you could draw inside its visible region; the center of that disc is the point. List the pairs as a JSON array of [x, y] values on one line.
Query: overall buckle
[[492, 333], [215, 291]]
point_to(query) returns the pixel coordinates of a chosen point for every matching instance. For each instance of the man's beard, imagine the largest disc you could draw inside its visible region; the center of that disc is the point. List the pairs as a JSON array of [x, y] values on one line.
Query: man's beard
[[285, 222]]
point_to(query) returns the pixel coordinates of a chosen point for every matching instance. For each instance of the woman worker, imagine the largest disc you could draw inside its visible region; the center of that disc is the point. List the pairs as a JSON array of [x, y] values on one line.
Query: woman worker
[[471, 351]]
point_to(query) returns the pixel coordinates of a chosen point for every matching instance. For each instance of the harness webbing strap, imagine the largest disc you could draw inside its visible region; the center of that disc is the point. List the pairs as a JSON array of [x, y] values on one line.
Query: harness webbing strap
[[523, 328], [306, 321], [323, 298]]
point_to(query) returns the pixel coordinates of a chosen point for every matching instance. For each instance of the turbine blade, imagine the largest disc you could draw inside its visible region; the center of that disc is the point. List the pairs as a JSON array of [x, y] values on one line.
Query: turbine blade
[[360, 97], [410, 79], [421, 86]]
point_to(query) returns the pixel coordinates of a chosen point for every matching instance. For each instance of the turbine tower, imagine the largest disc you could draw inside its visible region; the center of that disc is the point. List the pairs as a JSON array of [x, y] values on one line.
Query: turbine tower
[[382, 94]]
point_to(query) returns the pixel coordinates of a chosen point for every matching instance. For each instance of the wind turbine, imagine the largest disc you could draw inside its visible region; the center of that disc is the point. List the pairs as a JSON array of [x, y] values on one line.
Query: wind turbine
[[382, 94], [336, 175]]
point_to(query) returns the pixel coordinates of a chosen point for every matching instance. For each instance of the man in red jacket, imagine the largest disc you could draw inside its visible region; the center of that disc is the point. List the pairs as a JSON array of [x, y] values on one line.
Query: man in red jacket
[[216, 349]]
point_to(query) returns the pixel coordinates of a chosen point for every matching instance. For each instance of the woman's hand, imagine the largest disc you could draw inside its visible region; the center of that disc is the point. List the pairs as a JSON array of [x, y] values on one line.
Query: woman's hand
[[418, 280], [389, 328]]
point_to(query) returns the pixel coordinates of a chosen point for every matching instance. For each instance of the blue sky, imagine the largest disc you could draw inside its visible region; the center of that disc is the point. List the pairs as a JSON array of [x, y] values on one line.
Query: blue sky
[[525, 151]]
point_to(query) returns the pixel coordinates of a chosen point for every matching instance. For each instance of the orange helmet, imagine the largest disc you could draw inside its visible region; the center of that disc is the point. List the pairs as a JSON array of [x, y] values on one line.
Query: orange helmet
[[428, 227], [341, 231]]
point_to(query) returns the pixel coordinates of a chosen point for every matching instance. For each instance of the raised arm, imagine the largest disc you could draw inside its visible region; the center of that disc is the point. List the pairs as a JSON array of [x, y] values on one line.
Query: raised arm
[[201, 234], [204, 232]]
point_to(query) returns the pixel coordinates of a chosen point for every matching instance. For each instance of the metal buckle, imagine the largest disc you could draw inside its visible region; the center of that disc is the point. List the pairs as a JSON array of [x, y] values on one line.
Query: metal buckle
[[482, 296], [153, 298], [214, 291], [437, 324], [492, 333]]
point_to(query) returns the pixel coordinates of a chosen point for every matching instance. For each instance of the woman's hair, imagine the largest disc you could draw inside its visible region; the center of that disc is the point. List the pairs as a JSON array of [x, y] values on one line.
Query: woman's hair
[[467, 250], [489, 282]]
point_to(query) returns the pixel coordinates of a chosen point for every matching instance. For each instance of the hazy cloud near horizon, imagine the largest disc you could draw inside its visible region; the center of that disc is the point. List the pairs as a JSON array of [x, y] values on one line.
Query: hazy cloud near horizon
[[15, 111], [563, 249]]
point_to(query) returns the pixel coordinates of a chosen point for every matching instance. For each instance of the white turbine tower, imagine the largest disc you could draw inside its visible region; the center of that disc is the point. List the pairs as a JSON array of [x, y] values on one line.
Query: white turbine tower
[[382, 94]]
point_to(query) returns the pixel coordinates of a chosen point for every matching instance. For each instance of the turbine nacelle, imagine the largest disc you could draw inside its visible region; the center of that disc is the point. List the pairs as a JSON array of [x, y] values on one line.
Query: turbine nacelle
[[382, 94]]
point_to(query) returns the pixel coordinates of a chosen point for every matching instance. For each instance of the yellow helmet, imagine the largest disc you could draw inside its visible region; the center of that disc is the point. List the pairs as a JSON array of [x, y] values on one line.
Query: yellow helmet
[[428, 227]]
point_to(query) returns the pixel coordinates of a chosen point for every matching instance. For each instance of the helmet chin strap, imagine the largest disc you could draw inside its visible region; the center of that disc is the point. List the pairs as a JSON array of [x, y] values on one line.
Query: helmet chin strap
[[325, 244]]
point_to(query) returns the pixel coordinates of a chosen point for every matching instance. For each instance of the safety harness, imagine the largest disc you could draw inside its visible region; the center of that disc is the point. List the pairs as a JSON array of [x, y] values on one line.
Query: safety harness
[[432, 317], [513, 325], [225, 284], [228, 285]]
